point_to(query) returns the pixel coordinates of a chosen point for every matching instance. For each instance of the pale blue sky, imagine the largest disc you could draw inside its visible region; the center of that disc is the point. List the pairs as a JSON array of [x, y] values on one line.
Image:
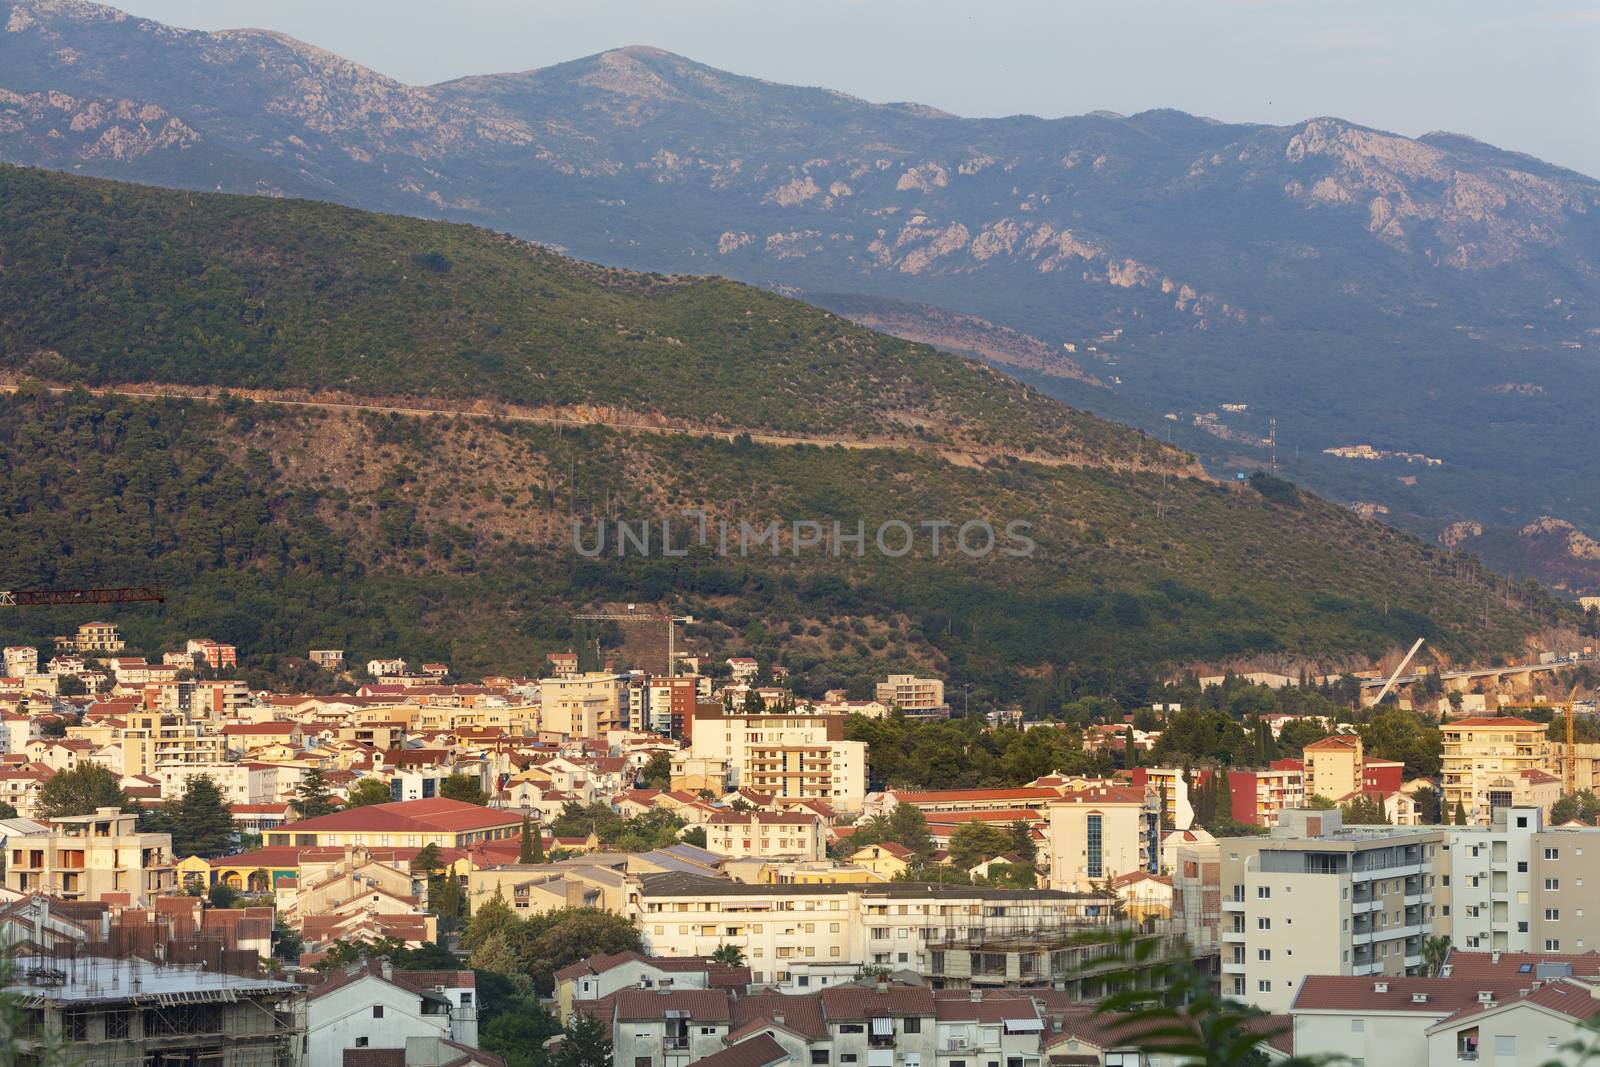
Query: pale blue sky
[[1522, 74]]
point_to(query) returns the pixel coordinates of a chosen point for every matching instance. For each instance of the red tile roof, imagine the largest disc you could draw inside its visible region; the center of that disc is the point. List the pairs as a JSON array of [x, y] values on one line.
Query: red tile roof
[[758, 1051], [1483, 720], [434, 815]]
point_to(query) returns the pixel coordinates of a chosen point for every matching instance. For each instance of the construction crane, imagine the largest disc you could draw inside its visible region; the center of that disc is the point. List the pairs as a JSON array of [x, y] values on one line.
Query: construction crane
[[634, 616], [54, 598], [1569, 765]]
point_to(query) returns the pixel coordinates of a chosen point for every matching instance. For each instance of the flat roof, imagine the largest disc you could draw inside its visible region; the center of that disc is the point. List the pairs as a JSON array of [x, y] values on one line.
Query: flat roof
[[100, 980]]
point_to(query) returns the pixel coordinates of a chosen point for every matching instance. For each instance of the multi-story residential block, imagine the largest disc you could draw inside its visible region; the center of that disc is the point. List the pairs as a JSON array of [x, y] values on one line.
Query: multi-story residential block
[[1518, 886], [1319, 898], [21, 660], [379, 668], [84, 857], [767, 835], [1256, 798], [152, 739], [598, 977], [1102, 832], [96, 637], [217, 656], [1333, 766], [197, 699], [813, 935], [918, 697], [329, 659], [1172, 790], [1483, 759], [584, 705], [239, 783], [794, 755], [131, 1011], [663, 705]]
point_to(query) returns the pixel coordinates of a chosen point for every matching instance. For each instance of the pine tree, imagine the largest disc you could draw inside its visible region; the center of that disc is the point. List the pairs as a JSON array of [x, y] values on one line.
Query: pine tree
[[529, 852], [202, 824], [1461, 814], [314, 797]]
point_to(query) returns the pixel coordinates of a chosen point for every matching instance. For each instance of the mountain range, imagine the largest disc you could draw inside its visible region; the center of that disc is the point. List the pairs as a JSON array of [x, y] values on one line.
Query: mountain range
[[1258, 295]]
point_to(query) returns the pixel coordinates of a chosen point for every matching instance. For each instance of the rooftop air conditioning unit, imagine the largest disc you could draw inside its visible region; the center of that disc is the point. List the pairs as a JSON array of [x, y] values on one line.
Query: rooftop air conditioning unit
[[1380, 987], [1419, 998]]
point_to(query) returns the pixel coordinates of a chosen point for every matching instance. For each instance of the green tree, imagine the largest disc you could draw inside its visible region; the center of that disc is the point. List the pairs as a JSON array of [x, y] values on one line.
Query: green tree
[[368, 791], [657, 773], [427, 860], [586, 1043], [83, 790], [532, 847], [463, 787], [518, 1033], [562, 937], [222, 896], [973, 842], [1021, 841], [1435, 951], [202, 824], [1461, 814], [1583, 805], [448, 901], [7, 811], [909, 827], [1365, 811], [1397, 734], [1318, 802], [729, 954], [313, 797]]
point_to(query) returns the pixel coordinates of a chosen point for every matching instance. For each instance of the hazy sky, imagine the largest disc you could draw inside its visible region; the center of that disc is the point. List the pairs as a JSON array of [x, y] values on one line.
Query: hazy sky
[[1522, 74]]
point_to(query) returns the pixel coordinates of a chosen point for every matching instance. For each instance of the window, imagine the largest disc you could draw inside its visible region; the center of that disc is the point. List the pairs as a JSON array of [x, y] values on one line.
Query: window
[[1263, 892], [1552, 944], [1358, 1026], [1552, 885], [361, 1042], [1263, 954], [1505, 1045], [1094, 867], [911, 1026], [819, 1057], [1552, 915], [377, 1011], [1263, 922], [1263, 986]]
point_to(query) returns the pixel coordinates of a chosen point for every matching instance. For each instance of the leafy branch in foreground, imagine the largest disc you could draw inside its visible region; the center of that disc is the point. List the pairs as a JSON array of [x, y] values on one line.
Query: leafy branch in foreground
[[1161, 1002]]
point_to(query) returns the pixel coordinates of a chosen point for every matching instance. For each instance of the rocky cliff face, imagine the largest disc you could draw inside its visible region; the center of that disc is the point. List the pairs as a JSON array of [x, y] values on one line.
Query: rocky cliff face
[[1350, 283]]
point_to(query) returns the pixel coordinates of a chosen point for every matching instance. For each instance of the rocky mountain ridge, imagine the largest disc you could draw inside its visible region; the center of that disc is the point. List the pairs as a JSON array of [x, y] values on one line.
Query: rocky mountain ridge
[[1205, 280]]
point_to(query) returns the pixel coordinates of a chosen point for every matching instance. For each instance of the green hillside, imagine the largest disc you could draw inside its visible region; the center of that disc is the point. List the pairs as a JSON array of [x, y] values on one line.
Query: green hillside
[[450, 537], [153, 285]]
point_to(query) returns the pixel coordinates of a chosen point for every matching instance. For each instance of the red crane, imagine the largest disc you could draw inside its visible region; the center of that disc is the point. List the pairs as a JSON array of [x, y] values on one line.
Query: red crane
[[51, 598]]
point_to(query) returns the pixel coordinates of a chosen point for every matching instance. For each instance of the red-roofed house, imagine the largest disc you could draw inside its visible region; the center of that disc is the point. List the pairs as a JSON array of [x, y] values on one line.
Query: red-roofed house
[[407, 823]]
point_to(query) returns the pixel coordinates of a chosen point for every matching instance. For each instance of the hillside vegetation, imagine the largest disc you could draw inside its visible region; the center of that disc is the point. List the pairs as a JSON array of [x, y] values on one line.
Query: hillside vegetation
[[111, 283], [450, 538]]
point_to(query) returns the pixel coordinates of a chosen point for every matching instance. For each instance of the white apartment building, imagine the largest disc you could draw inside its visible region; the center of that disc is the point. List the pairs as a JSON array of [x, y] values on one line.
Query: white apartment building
[[239, 783], [1102, 832], [21, 660], [767, 835], [790, 755], [1317, 898], [808, 936]]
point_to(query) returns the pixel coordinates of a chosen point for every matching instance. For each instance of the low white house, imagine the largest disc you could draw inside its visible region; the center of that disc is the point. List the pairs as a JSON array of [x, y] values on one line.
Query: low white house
[[371, 1005]]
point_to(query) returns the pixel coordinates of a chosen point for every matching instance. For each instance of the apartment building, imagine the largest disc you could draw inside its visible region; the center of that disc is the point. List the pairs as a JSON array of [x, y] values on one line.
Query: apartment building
[[1319, 898], [1102, 832], [96, 637], [151, 739], [21, 660], [239, 783], [132, 1011], [84, 857], [583, 705], [197, 699], [767, 835], [1256, 798], [1333, 766], [806, 936], [1172, 789], [794, 755], [217, 656], [1518, 885], [329, 659], [663, 705], [1482, 760], [918, 697]]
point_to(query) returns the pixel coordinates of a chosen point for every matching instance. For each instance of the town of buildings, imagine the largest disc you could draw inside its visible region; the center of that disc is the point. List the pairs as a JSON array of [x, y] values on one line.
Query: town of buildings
[[1332, 930]]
